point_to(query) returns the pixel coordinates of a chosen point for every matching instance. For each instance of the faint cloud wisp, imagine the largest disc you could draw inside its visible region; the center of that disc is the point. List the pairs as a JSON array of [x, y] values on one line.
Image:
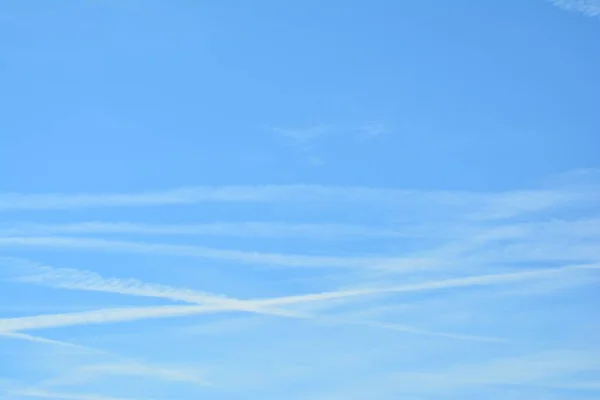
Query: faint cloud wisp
[[591, 8]]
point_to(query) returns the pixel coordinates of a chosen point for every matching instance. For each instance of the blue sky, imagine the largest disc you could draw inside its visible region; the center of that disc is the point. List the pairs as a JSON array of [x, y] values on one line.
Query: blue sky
[[299, 200]]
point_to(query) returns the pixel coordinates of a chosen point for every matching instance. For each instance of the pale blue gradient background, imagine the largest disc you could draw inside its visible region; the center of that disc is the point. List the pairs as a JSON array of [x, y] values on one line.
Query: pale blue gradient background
[[481, 117]]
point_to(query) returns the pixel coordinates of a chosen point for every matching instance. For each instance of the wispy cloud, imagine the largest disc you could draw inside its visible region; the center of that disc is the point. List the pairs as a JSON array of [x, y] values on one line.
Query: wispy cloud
[[89, 281], [103, 316], [67, 278], [479, 280], [546, 369], [118, 366], [267, 259], [502, 243], [590, 8], [372, 130], [113, 365], [456, 243], [137, 313], [302, 136], [37, 339], [194, 195], [305, 135], [233, 229], [550, 368], [480, 205], [130, 368], [309, 141], [412, 330]]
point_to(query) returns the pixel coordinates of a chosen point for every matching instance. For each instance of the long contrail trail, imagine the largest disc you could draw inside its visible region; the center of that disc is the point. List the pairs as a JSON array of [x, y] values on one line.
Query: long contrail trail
[[136, 313]]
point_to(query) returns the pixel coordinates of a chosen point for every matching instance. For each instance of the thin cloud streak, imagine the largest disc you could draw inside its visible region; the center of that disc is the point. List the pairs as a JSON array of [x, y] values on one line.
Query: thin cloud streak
[[267, 259], [37, 339], [195, 195], [237, 229], [138, 313], [544, 369], [122, 366], [423, 332], [130, 368], [304, 135], [89, 281], [66, 278], [102, 316], [483, 205], [410, 329], [480, 280], [556, 229]]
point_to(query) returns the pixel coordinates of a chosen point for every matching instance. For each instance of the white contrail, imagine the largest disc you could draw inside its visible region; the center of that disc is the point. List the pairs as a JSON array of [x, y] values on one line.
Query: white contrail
[[273, 259], [235, 229], [37, 339], [12, 325], [449, 335], [494, 205], [89, 281], [122, 365], [129, 368], [67, 278], [137, 313], [479, 280], [410, 329], [330, 231], [101, 317], [193, 195]]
